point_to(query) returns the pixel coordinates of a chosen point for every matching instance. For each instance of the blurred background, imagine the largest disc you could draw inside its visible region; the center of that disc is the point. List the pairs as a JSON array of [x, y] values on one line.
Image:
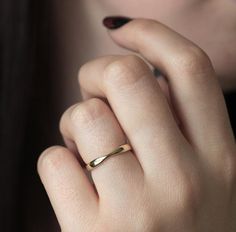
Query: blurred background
[[28, 113]]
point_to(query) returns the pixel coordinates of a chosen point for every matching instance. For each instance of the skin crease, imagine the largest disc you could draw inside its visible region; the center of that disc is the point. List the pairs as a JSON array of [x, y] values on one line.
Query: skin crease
[[210, 24]]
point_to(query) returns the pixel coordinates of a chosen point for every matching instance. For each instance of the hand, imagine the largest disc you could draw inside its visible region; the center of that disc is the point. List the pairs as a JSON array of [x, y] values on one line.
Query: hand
[[178, 178]]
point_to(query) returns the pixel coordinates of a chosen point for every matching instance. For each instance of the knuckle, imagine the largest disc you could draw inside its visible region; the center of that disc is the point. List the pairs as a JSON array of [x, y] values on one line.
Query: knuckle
[[192, 60], [52, 158], [88, 68], [88, 111], [125, 71]]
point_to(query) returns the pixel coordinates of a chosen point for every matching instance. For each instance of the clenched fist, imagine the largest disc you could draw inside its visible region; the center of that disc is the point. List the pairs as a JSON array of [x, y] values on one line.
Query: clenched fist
[[179, 175]]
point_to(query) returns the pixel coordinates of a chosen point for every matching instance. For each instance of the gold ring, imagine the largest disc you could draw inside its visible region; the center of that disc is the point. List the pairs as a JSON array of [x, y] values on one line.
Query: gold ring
[[119, 150]]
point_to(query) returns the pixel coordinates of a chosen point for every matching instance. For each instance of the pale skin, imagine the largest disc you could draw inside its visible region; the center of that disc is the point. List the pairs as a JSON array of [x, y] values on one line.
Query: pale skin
[[181, 172]]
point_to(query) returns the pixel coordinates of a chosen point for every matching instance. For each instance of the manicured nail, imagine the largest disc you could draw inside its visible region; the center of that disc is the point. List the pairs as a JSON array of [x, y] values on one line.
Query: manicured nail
[[115, 22]]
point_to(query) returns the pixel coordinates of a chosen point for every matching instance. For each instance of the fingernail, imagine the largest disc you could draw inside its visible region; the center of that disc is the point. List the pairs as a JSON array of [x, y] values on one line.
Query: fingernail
[[114, 22]]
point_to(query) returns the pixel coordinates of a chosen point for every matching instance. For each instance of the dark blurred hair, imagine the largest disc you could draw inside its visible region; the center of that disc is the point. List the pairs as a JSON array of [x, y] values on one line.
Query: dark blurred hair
[[27, 107]]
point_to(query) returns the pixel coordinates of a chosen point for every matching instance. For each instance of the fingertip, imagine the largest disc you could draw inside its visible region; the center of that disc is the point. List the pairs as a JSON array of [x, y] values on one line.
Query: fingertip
[[71, 194]]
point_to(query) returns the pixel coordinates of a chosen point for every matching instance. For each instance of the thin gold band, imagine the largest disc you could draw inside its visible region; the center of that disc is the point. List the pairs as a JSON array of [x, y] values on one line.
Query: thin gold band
[[121, 149]]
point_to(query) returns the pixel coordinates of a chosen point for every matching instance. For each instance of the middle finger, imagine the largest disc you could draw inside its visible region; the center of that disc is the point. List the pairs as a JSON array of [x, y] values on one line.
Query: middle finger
[[139, 105]]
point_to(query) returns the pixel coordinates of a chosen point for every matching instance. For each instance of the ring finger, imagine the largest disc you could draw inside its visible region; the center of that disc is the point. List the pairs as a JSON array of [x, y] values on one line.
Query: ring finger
[[96, 132]]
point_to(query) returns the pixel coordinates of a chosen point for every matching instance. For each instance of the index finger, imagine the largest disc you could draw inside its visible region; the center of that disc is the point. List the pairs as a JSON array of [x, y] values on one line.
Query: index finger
[[195, 90]]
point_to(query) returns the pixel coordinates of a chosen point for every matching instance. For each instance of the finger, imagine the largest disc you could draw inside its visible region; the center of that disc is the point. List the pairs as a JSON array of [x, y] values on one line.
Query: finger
[[138, 103], [195, 90], [159, 77], [95, 92], [71, 195], [70, 144], [92, 76], [96, 132]]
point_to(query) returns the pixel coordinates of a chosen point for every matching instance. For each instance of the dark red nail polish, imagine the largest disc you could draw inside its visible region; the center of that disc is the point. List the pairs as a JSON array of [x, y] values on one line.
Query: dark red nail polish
[[115, 22]]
